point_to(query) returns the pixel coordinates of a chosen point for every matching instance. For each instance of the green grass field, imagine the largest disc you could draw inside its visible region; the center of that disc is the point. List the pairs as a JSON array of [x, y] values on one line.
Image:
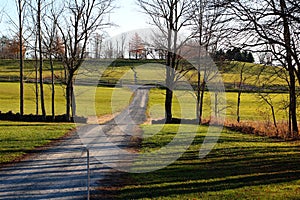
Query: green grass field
[[9, 99], [239, 167], [110, 70], [20, 138], [251, 108], [250, 71], [9, 69]]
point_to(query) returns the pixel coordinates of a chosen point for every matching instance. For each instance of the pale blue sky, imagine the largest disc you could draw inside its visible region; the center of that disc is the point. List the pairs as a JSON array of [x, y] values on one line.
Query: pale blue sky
[[127, 16]]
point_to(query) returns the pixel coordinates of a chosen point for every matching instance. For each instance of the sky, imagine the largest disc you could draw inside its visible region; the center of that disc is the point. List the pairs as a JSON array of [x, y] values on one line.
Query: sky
[[127, 16]]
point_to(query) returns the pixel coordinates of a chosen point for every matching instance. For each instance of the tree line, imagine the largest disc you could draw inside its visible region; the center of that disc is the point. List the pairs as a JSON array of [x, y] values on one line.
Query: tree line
[[235, 54]]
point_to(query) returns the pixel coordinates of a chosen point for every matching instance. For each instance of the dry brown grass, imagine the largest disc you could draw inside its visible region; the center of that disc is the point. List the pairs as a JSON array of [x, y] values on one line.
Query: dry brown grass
[[262, 128]]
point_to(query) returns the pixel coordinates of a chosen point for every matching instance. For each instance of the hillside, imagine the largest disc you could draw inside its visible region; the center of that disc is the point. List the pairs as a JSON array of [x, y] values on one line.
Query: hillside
[[254, 76]]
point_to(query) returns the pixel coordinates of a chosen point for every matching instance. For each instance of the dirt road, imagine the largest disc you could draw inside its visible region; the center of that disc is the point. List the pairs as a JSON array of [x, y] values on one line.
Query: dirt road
[[60, 172]]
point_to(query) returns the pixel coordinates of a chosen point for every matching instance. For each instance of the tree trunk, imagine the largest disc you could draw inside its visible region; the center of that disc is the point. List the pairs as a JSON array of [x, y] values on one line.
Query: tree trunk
[[69, 98], [168, 105], [73, 102], [238, 106], [68, 102], [169, 92], [293, 106], [41, 59], [201, 101], [21, 59], [239, 94], [288, 46], [42, 88], [216, 106], [36, 79], [274, 118], [53, 88], [198, 117], [169, 95]]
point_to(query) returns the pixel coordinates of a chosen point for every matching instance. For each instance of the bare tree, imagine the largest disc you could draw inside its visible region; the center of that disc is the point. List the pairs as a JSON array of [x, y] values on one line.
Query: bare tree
[[1, 14], [21, 6], [268, 100], [109, 49], [34, 47], [267, 85], [276, 24], [244, 72], [170, 17], [242, 80], [98, 38], [50, 42], [36, 69], [18, 27], [210, 25], [37, 8], [80, 20], [40, 47], [123, 42]]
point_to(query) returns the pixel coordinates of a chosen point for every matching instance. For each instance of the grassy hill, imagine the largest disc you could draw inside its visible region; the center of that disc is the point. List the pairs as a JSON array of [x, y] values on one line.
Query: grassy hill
[[147, 70], [255, 75], [9, 69]]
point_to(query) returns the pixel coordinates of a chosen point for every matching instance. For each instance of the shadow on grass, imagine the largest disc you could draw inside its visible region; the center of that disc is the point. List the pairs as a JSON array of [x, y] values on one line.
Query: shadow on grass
[[226, 167], [176, 121]]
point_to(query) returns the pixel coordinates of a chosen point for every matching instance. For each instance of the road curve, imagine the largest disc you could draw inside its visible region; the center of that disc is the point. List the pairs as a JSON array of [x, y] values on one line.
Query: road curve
[[60, 172]]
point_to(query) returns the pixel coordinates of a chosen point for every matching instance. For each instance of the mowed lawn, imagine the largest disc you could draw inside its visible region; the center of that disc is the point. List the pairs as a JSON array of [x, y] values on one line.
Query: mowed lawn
[[239, 167], [20, 138]]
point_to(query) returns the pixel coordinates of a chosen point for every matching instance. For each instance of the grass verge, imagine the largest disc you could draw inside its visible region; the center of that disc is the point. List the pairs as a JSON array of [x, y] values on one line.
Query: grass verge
[[20, 138]]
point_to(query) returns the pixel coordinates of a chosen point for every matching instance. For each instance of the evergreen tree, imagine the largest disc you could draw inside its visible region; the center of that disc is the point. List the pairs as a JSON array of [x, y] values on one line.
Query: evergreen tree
[[250, 57], [237, 55], [229, 54]]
